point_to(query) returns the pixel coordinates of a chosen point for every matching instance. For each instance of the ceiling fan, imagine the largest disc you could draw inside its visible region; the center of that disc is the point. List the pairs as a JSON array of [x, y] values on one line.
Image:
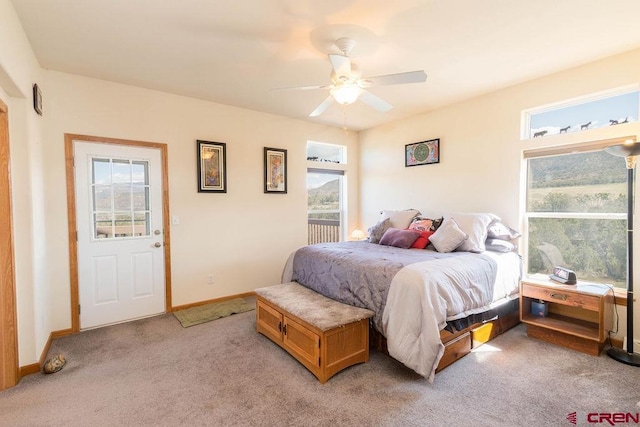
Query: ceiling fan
[[347, 84]]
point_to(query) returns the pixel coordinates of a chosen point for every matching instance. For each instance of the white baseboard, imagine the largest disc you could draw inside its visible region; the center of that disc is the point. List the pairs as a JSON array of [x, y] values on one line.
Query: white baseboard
[[636, 345]]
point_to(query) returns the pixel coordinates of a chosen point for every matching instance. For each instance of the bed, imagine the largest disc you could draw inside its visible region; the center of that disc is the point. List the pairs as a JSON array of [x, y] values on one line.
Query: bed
[[422, 299]]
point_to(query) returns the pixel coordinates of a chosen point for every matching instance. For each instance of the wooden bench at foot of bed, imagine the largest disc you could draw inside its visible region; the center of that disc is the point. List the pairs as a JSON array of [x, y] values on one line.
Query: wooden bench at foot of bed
[[459, 343], [324, 335]]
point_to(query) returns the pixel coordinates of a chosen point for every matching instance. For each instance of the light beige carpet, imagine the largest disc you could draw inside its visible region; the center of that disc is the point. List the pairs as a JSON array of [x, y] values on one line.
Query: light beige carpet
[[153, 372], [208, 312]]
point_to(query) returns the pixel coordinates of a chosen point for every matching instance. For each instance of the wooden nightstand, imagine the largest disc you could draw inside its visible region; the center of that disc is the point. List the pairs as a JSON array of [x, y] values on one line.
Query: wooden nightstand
[[578, 316]]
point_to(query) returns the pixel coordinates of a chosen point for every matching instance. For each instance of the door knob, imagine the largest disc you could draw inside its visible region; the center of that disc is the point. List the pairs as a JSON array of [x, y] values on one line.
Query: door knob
[[157, 244]]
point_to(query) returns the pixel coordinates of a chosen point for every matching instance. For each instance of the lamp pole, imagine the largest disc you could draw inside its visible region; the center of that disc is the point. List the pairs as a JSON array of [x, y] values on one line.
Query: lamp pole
[[628, 150]]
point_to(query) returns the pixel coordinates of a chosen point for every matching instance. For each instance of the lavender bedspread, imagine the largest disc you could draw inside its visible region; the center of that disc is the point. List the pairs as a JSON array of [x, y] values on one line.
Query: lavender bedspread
[[359, 273], [412, 292]]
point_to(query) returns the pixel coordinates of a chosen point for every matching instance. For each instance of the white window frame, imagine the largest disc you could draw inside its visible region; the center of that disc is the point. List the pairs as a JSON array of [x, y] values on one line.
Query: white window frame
[[338, 169], [554, 151], [525, 124]]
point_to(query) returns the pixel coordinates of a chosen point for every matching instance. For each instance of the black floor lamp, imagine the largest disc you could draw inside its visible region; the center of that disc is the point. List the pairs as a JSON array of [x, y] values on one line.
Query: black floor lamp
[[628, 150]]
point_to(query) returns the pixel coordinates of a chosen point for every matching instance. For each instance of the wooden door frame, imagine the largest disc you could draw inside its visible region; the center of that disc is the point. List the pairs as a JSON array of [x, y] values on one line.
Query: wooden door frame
[[71, 213], [9, 369]]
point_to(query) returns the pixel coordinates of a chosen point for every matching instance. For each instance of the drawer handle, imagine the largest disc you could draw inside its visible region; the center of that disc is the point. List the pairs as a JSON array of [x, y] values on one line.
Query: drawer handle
[[279, 326], [561, 297], [284, 329]]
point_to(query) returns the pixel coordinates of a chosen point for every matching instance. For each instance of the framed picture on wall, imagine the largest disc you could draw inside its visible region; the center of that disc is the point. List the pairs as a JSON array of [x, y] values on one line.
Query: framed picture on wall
[[275, 170], [422, 153], [212, 167]]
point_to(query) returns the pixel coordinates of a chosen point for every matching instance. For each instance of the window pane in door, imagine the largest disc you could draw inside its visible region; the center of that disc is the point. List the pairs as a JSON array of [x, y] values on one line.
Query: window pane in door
[[121, 171], [122, 197], [120, 191], [141, 223], [102, 198], [101, 171], [140, 174], [103, 225], [123, 224]]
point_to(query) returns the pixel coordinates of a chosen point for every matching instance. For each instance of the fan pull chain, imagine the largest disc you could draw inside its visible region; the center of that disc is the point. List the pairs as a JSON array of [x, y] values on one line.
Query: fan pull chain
[[344, 119]]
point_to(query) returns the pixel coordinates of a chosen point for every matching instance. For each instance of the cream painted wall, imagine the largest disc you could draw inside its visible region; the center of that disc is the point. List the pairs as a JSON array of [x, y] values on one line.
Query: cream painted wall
[[481, 151], [480, 171], [242, 237], [19, 69]]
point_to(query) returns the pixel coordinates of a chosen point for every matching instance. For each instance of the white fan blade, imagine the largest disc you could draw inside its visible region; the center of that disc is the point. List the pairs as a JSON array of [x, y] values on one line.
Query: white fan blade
[[341, 65], [323, 106], [375, 102], [304, 87], [398, 79]]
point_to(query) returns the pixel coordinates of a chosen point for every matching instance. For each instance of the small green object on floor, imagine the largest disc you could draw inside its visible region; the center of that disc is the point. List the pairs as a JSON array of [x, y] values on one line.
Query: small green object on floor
[[208, 312]]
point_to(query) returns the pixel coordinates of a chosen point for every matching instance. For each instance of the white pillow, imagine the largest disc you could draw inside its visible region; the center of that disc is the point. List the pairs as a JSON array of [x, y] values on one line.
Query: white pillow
[[475, 225], [399, 219], [499, 245], [498, 230], [448, 236]]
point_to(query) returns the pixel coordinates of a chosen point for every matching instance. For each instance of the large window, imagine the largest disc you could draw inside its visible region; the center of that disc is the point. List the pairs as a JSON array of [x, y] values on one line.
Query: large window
[[325, 192], [576, 214]]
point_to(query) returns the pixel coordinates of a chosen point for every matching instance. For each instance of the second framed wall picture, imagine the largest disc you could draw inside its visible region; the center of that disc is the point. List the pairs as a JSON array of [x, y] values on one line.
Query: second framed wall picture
[[212, 167], [275, 170], [422, 153]]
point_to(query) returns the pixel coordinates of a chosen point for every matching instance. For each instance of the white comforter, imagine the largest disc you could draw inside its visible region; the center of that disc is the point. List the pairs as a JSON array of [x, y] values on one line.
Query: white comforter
[[424, 295]]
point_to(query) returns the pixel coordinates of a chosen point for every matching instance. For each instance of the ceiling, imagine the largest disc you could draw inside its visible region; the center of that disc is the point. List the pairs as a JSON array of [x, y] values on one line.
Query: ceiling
[[237, 52]]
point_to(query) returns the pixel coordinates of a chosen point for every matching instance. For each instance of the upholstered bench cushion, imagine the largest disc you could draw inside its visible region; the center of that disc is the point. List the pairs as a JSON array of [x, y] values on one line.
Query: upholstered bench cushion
[[315, 309]]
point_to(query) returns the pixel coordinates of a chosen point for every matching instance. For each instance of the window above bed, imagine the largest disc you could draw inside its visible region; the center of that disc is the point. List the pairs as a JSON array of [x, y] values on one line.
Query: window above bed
[[609, 108]]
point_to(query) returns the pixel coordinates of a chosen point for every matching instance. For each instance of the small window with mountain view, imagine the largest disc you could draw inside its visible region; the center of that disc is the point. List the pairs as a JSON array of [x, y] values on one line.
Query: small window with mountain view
[[613, 109], [326, 192], [326, 153]]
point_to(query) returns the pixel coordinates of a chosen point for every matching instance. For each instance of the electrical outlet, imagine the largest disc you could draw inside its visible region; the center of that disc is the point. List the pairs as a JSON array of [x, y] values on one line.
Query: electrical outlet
[[210, 279]]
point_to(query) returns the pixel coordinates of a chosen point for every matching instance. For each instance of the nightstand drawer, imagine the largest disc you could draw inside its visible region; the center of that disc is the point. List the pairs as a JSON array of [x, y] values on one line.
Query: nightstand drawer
[[563, 297]]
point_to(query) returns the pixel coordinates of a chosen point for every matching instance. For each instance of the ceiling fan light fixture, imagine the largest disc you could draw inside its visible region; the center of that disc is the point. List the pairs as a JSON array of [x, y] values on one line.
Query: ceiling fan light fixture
[[346, 94]]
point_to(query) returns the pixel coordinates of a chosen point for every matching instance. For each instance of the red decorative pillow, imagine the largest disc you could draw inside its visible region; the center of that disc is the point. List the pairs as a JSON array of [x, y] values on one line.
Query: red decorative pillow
[[423, 240]]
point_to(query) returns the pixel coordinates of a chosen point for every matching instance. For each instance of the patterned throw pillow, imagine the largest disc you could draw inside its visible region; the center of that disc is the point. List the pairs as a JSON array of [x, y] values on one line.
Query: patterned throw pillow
[[425, 224], [377, 231], [421, 225]]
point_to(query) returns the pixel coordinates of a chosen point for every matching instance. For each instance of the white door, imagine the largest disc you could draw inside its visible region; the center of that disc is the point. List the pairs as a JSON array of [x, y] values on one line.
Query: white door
[[120, 237]]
